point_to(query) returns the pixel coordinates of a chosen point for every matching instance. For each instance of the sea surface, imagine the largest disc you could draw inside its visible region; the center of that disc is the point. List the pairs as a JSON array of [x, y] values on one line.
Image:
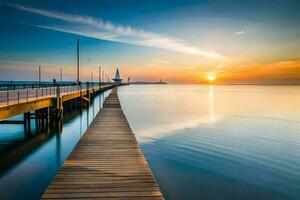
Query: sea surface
[[201, 142], [219, 142]]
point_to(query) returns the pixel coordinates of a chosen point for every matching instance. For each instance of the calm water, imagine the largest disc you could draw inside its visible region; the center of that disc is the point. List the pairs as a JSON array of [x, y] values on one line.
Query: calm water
[[219, 142], [28, 163], [202, 142]]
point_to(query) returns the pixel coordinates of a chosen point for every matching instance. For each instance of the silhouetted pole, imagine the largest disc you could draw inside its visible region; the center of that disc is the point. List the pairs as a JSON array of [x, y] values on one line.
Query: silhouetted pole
[[78, 61], [40, 76], [102, 76], [99, 75], [60, 74]]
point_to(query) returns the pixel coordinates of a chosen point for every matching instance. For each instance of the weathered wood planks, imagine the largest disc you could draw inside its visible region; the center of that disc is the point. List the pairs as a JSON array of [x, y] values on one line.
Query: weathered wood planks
[[107, 163]]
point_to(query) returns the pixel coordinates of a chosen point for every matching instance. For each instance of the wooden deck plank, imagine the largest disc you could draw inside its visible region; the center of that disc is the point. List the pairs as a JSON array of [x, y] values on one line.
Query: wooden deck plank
[[107, 163]]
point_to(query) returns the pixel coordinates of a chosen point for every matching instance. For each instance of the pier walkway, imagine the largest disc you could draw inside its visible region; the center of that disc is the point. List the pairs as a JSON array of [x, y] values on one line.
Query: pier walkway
[[107, 163], [16, 102]]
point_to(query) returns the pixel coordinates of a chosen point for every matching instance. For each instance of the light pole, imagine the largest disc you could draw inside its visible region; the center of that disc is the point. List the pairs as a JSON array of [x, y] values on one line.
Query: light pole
[[40, 74], [61, 74], [78, 62], [103, 76], [99, 75]]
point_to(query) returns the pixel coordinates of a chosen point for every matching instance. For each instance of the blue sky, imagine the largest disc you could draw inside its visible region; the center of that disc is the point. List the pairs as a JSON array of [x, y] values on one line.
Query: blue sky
[[145, 38]]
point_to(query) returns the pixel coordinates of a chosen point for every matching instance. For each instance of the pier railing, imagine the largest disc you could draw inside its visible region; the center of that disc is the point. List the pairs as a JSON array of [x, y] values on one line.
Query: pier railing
[[10, 97]]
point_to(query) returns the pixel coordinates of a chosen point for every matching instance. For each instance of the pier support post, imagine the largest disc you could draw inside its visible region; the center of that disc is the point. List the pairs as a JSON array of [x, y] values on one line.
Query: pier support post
[[37, 125], [43, 119], [48, 116], [27, 124]]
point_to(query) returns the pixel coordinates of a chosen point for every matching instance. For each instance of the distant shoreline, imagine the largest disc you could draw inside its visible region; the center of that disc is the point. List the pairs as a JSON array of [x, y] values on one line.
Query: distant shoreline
[[148, 83]]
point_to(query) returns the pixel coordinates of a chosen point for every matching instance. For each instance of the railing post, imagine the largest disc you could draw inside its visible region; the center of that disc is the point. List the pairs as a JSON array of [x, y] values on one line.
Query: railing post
[[7, 97], [57, 91], [27, 95], [37, 93], [18, 96]]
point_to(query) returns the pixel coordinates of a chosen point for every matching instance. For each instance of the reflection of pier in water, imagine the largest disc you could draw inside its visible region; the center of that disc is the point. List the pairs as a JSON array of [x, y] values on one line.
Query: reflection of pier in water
[[38, 135]]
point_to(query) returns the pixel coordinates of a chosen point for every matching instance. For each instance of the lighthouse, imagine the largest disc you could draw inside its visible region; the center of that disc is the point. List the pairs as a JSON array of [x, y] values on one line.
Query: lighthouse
[[117, 78]]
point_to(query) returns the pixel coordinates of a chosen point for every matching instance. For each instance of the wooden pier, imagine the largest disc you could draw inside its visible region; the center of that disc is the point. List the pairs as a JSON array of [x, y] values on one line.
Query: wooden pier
[[17, 102], [107, 163]]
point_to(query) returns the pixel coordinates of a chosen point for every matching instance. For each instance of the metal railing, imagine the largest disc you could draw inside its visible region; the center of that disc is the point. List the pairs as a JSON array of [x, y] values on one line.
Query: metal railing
[[19, 85], [10, 97]]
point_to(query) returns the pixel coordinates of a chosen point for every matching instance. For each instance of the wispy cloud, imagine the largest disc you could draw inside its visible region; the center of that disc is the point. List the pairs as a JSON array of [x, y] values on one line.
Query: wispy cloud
[[105, 30], [239, 32]]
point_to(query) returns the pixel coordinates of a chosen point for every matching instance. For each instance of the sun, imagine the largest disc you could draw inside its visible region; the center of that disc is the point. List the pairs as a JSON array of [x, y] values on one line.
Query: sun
[[211, 77]]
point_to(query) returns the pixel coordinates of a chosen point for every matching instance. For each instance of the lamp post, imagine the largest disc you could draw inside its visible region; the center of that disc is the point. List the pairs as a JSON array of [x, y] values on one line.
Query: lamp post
[[99, 75], [61, 74], [40, 74], [78, 62]]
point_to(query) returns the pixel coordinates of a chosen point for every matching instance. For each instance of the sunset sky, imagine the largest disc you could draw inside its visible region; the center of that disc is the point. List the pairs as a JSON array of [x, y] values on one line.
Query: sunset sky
[[221, 41]]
